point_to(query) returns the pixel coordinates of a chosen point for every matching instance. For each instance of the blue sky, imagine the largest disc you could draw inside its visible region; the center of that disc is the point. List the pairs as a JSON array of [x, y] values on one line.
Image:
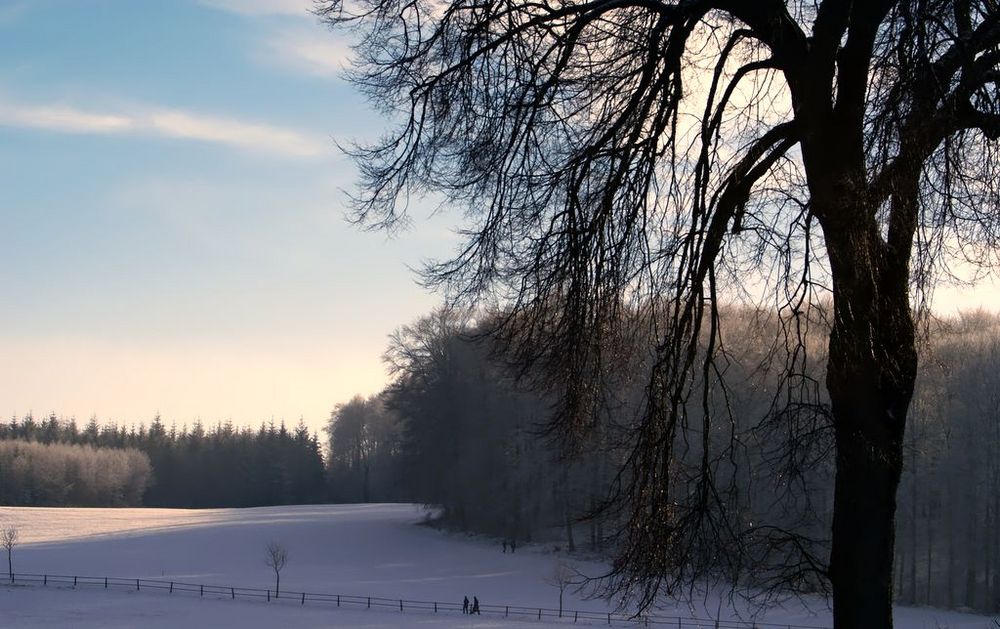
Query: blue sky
[[172, 234]]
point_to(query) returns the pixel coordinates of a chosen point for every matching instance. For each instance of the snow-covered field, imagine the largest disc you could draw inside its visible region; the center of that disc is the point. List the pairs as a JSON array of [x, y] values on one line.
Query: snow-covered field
[[365, 550]]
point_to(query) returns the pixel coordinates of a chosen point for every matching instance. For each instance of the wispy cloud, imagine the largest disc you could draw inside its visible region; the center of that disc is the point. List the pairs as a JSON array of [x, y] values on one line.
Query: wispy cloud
[[316, 54], [254, 136], [166, 123], [64, 119], [262, 7], [314, 51], [11, 12]]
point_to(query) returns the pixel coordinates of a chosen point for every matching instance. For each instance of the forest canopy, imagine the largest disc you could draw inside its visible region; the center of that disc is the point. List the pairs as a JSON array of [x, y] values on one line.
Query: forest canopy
[[455, 430], [223, 466]]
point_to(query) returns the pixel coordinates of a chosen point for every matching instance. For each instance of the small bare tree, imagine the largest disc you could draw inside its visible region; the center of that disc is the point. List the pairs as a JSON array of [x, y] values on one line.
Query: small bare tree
[[275, 556], [9, 537], [562, 577]]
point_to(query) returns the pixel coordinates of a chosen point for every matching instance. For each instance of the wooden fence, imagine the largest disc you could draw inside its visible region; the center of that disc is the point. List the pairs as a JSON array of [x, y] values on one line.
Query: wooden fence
[[516, 612]]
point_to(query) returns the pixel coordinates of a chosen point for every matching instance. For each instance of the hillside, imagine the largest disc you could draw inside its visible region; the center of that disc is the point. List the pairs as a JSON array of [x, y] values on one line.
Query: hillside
[[367, 550]]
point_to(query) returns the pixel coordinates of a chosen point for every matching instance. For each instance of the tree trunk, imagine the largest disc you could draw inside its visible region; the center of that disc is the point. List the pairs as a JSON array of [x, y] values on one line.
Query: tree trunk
[[863, 532], [988, 526], [899, 562], [570, 542], [972, 553], [870, 377], [995, 592], [929, 551], [567, 512], [951, 573], [593, 525], [365, 491], [914, 520]]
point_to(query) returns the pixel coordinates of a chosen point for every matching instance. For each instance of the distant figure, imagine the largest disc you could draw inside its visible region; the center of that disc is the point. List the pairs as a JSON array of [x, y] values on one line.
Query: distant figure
[[505, 546], [475, 606], [465, 605], [513, 545]]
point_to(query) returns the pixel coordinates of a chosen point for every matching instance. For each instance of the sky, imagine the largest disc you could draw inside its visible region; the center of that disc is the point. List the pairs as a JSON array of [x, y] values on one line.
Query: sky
[[172, 217]]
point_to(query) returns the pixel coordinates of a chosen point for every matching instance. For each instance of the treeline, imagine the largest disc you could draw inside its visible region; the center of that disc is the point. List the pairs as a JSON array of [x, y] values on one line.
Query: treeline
[[219, 467], [455, 430], [948, 537], [55, 474]]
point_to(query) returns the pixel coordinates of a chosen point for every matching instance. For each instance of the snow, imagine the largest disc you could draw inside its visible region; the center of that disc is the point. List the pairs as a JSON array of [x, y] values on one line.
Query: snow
[[376, 550]]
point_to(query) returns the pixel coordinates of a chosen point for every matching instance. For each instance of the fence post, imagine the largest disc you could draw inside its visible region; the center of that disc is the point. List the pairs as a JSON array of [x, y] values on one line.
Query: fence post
[[400, 604], [269, 596], [137, 585], [201, 590], [232, 592], [303, 598], [369, 602], [74, 581], [105, 583], [575, 616], [609, 619], [678, 622], [45, 579], [171, 588], [506, 611], [338, 600], [435, 607], [539, 613]]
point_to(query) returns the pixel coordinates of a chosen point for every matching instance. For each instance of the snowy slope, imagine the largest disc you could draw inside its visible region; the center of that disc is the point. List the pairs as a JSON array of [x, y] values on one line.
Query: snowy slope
[[366, 550]]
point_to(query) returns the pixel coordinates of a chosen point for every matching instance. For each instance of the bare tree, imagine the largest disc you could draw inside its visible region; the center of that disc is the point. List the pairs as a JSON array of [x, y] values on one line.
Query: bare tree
[[275, 557], [660, 156], [9, 537], [563, 575]]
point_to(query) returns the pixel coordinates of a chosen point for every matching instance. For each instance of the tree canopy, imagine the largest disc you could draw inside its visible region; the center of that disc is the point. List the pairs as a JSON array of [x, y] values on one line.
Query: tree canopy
[[662, 156]]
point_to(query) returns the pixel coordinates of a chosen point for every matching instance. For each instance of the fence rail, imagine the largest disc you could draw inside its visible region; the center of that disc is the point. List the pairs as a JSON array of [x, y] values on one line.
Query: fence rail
[[515, 612]]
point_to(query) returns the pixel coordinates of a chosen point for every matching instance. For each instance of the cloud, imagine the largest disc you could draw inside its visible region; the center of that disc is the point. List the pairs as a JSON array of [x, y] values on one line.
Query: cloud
[[260, 137], [165, 123], [62, 118], [299, 8], [314, 52], [11, 13], [318, 55]]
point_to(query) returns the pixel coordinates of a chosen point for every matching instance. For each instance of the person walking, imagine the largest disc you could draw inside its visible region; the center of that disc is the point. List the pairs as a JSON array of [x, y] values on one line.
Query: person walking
[[465, 605], [475, 606]]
